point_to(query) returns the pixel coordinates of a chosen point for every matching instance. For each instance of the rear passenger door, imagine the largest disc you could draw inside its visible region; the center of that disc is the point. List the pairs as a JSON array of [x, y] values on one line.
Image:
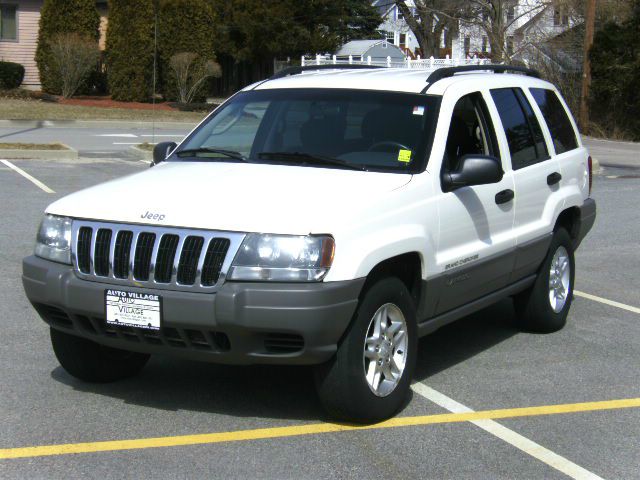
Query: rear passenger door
[[536, 176]]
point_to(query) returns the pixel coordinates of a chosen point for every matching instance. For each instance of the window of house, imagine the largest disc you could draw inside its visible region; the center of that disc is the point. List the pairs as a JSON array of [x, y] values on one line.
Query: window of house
[[467, 45], [399, 14], [560, 127], [391, 37], [8, 22], [511, 13], [521, 127], [485, 42], [403, 40]]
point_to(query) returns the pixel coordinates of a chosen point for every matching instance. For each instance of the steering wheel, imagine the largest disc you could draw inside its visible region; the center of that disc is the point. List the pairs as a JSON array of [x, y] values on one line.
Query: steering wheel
[[378, 146]]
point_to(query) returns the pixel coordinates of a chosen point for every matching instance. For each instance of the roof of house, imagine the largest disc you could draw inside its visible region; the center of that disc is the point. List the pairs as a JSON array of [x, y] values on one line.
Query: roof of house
[[383, 6], [358, 48]]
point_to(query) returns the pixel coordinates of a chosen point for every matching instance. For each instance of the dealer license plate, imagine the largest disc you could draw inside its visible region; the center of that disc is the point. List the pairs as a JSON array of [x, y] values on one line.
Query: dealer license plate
[[132, 309]]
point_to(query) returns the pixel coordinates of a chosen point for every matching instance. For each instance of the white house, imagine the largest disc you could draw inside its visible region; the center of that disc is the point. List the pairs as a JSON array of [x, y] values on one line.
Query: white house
[[534, 21], [395, 28]]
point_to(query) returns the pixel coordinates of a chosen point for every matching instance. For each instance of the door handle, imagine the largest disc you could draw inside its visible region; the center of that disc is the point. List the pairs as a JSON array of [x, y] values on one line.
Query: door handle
[[553, 178], [504, 196]]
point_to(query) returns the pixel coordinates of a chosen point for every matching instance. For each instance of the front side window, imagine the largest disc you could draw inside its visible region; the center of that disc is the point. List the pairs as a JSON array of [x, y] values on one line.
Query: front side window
[[8, 24], [521, 127], [369, 130], [560, 127], [470, 132]]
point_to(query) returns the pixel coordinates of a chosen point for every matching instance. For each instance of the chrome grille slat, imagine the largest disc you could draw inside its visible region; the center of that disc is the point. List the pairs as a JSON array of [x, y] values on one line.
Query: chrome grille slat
[[194, 260], [132, 255], [154, 257], [92, 251], [112, 253], [176, 259]]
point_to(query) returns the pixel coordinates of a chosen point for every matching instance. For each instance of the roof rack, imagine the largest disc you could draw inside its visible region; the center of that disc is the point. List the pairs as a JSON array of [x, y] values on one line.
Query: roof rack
[[297, 70], [446, 72]]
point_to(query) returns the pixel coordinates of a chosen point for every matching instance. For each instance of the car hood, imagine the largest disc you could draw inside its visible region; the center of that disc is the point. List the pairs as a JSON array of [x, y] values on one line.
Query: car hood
[[234, 197]]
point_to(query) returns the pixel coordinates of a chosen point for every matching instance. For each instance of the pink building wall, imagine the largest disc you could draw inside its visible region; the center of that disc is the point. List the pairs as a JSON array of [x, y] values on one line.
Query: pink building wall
[[23, 50]]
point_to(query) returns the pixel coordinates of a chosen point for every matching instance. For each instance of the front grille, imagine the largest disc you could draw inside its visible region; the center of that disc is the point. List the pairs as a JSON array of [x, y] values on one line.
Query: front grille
[[152, 257], [101, 257], [144, 250], [122, 254], [166, 256], [188, 265]]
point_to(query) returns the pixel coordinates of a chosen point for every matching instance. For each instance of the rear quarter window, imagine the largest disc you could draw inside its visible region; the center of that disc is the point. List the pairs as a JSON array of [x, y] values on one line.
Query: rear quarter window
[[560, 127]]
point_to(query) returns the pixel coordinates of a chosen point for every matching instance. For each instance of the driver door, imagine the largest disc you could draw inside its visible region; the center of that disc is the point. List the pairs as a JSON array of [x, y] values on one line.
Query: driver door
[[476, 244]]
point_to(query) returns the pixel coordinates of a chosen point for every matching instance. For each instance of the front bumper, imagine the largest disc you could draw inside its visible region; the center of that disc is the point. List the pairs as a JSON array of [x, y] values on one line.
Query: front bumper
[[243, 323]]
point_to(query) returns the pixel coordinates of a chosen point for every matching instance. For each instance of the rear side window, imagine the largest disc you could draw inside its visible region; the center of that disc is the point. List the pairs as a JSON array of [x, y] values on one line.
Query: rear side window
[[524, 135], [560, 127]]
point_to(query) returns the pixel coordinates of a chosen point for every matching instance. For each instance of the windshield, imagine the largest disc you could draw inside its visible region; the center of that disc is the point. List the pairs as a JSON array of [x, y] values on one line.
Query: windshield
[[358, 129]]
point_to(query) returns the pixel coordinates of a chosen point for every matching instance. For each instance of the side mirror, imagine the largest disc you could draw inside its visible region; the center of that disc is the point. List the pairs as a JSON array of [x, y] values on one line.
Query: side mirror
[[473, 170], [161, 151]]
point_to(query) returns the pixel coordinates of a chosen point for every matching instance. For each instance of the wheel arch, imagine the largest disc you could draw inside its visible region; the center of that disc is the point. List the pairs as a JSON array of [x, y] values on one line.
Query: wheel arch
[[569, 219], [407, 267]]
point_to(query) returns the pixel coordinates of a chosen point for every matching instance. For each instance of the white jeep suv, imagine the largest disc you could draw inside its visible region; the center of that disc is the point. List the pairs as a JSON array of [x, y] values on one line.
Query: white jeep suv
[[326, 217]]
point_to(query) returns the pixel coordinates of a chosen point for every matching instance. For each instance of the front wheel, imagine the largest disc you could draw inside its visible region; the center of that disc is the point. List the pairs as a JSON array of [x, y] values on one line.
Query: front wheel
[[368, 380], [92, 362], [545, 306]]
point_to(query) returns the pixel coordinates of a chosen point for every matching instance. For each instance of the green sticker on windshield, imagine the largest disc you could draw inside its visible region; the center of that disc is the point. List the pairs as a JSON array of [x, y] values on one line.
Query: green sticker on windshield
[[404, 156]]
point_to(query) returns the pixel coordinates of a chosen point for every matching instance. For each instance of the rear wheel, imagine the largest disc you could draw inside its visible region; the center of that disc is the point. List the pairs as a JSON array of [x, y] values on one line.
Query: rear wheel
[[92, 362], [545, 306], [369, 378]]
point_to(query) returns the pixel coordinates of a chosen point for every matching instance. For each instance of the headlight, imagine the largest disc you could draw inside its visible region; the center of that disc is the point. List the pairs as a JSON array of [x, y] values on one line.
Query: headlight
[[54, 239], [283, 258]]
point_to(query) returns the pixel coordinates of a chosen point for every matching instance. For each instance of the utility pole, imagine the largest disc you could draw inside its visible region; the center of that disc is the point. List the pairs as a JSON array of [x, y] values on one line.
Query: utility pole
[[589, 23]]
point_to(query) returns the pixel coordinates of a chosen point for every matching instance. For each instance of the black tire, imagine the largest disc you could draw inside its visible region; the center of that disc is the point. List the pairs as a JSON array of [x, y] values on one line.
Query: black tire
[[92, 362], [534, 312], [341, 383]]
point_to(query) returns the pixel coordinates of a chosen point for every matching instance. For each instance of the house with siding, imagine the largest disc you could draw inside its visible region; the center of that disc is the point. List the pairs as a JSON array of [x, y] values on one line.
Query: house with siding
[[531, 22], [19, 36], [19, 25]]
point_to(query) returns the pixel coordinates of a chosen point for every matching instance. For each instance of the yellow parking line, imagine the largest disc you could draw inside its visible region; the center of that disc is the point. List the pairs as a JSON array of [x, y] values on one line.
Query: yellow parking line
[[298, 430]]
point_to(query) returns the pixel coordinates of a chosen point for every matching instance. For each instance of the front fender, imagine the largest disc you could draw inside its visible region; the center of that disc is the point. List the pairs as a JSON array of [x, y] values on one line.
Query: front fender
[[357, 259]]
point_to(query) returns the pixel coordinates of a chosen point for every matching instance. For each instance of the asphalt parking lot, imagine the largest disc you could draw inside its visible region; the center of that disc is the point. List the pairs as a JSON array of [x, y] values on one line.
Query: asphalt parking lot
[[191, 420]]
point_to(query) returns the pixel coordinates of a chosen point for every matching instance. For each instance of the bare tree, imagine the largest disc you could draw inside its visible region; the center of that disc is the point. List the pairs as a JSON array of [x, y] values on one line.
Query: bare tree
[[190, 71], [498, 19], [73, 56], [431, 18]]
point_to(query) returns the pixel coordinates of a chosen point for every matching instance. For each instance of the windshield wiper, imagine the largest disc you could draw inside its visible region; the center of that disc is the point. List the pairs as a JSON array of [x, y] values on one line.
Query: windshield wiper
[[311, 158], [221, 151]]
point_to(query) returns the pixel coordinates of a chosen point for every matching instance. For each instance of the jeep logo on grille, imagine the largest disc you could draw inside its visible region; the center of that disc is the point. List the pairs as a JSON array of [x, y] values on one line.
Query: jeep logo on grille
[[153, 216]]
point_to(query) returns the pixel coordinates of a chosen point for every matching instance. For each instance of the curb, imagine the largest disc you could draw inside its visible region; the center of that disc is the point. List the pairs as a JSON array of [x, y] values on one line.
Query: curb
[[140, 153], [94, 124], [68, 154]]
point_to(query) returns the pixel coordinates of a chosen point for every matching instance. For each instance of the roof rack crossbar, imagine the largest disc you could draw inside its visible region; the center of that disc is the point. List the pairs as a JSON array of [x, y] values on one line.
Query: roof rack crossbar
[[446, 72], [342, 66]]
